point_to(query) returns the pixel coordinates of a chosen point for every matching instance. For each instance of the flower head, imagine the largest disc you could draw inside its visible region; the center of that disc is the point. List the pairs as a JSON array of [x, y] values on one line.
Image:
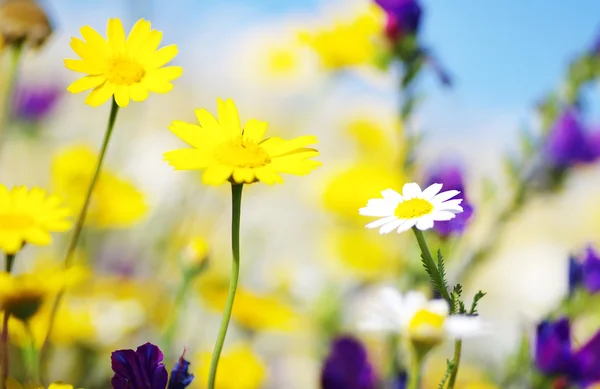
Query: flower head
[[34, 102], [239, 368], [347, 366], [140, 369], [585, 271], [126, 67], [227, 152], [414, 316], [23, 21], [403, 17], [29, 216], [451, 176], [412, 208], [180, 377], [568, 143]]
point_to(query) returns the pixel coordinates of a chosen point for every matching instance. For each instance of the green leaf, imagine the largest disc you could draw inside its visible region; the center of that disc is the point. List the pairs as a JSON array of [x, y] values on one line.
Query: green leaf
[[442, 269], [449, 370], [478, 296]]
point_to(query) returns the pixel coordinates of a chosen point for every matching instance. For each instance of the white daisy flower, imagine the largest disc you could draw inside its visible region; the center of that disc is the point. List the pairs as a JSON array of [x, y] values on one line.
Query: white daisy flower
[[416, 317], [413, 207]]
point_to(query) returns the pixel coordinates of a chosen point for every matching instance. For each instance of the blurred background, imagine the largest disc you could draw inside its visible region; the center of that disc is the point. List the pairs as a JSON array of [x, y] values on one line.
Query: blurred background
[[492, 81]]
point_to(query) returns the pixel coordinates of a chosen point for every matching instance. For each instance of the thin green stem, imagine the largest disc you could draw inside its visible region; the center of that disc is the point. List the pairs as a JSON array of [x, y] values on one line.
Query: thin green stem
[[9, 90], [236, 205], [414, 376], [456, 364], [31, 355], [8, 266], [431, 267], [178, 303], [77, 230]]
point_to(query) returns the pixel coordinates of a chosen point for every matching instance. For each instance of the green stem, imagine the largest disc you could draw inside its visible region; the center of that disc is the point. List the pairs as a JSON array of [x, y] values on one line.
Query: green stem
[[431, 267], [9, 262], [236, 205], [456, 364], [178, 303], [31, 355], [9, 91], [414, 376], [77, 230]]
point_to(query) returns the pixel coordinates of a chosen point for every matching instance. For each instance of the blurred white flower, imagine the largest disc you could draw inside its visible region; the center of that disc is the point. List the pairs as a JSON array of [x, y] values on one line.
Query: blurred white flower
[[413, 207]]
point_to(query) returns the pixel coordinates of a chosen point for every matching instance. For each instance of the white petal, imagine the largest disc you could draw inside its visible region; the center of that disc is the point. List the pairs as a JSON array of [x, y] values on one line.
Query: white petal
[[386, 229], [442, 216], [449, 206], [376, 211], [424, 223], [392, 195], [414, 301], [380, 222], [410, 223], [411, 190], [431, 191], [463, 326], [441, 197], [376, 325], [438, 306]]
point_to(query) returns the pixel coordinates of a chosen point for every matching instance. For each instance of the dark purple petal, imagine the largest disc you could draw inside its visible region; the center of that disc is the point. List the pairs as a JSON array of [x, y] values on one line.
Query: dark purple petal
[[586, 362], [575, 274], [34, 102], [553, 354], [403, 17], [591, 271], [348, 366], [140, 369], [180, 377], [567, 143]]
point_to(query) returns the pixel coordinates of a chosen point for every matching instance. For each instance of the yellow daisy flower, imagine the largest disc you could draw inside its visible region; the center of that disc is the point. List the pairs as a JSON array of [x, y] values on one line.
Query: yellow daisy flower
[[240, 368], [227, 152], [28, 216], [127, 68]]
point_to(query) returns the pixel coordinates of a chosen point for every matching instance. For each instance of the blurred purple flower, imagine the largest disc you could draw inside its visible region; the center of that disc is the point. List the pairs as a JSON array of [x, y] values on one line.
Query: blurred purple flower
[[180, 377], [32, 103], [403, 17], [555, 357], [451, 176], [140, 369], [348, 366], [585, 271], [568, 143]]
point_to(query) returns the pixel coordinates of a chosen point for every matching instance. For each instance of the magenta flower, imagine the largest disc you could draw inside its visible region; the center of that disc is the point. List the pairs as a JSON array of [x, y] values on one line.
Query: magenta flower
[[139, 369]]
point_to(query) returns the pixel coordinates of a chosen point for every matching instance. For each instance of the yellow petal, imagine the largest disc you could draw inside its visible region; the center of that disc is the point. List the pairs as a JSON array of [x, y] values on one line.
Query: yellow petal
[[86, 52], [243, 175], [138, 92], [207, 121], [228, 118], [254, 131], [116, 35], [149, 46], [81, 66], [122, 95], [11, 242], [192, 135], [217, 174], [38, 237], [268, 176], [168, 73], [95, 41], [100, 94], [85, 83], [277, 146], [188, 159], [162, 56], [139, 34]]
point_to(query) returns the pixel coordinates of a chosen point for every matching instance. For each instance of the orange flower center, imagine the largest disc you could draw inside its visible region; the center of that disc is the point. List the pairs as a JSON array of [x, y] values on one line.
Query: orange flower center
[[15, 221], [413, 208], [236, 153], [124, 71]]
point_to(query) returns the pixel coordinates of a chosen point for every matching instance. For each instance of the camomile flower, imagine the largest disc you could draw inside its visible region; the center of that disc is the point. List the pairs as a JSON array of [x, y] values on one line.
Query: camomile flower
[[227, 152], [126, 67], [414, 316], [29, 216], [412, 208]]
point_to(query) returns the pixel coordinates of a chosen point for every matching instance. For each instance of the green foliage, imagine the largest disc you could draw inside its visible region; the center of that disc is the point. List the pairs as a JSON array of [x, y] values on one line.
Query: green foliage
[[449, 370], [478, 296]]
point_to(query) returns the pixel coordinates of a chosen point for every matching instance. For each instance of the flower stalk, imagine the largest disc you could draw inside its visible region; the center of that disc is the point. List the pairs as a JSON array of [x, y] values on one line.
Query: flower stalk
[[9, 91], [455, 364], [236, 205], [9, 262], [436, 277]]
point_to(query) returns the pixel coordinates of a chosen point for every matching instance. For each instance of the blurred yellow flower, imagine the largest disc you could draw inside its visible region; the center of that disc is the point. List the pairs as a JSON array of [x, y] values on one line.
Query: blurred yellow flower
[[258, 312], [115, 202], [11, 383], [22, 295], [227, 152], [127, 68], [239, 368], [374, 142], [28, 216], [348, 43]]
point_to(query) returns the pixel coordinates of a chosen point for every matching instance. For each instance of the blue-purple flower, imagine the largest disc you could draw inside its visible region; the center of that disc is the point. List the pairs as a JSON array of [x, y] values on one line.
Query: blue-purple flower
[[347, 366], [585, 271], [451, 176], [568, 143], [403, 17], [180, 377], [555, 357], [33, 103]]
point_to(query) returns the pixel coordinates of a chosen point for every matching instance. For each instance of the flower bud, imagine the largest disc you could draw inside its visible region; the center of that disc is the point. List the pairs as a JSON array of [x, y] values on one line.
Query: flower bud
[[23, 22]]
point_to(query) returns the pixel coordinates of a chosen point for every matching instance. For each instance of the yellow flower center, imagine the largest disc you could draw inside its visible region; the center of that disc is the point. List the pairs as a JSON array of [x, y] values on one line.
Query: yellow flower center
[[239, 154], [425, 319], [413, 208], [124, 71], [15, 221]]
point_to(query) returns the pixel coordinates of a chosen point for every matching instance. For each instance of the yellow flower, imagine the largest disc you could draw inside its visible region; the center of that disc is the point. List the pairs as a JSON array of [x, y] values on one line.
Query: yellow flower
[[227, 152], [11, 383], [115, 202], [239, 368], [348, 43], [28, 216], [127, 68]]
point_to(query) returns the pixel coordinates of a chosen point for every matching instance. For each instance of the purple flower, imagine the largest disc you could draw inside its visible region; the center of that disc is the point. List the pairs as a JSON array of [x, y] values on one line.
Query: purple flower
[[403, 17], [585, 271], [33, 103], [567, 143], [555, 357], [348, 366], [180, 377], [451, 176], [140, 369]]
